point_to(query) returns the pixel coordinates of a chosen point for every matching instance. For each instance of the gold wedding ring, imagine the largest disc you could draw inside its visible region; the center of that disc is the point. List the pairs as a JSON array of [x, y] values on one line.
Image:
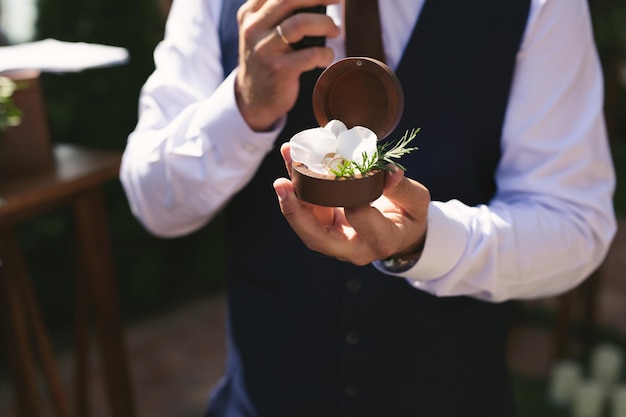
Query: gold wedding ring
[[333, 161], [281, 35]]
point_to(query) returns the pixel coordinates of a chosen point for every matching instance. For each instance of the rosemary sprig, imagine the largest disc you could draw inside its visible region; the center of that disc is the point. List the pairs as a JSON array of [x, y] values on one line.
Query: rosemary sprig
[[400, 149]]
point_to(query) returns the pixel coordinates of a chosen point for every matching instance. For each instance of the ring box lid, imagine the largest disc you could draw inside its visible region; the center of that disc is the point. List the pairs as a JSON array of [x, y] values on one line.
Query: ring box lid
[[359, 91]]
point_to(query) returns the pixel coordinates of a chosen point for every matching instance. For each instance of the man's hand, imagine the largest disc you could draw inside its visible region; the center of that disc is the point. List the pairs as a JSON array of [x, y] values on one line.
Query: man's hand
[[394, 224], [269, 69]]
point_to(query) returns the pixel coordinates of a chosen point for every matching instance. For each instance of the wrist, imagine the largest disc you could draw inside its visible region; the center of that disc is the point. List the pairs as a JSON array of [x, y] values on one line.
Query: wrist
[[259, 115], [404, 261]]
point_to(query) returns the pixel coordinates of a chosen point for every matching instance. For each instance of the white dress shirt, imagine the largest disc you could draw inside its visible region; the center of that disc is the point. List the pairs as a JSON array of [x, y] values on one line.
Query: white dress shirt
[[547, 228]]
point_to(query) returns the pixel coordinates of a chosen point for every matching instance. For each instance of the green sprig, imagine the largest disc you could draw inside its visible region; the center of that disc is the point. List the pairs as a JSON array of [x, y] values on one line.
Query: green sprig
[[400, 149]]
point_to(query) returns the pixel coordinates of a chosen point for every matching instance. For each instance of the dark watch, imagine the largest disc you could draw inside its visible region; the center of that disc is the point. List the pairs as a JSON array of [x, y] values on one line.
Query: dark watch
[[403, 262]]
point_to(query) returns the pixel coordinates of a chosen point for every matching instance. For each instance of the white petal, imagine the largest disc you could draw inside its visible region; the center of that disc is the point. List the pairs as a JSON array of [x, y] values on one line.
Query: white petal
[[310, 146], [336, 126], [355, 141]]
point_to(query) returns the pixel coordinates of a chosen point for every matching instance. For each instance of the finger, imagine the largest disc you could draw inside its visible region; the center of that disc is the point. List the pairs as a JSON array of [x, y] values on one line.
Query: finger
[[294, 29], [401, 226], [309, 58], [299, 25], [315, 225], [393, 176], [285, 151], [303, 219], [273, 12], [411, 196], [274, 34], [380, 234], [250, 6], [283, 8]]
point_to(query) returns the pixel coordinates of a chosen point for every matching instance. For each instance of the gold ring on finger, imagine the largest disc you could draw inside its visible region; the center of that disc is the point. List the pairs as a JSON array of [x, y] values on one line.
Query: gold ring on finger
[[281, 35]]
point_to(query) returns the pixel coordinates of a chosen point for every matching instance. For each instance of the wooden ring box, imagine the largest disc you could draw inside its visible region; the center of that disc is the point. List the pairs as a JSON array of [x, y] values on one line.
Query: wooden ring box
[[357, 91]]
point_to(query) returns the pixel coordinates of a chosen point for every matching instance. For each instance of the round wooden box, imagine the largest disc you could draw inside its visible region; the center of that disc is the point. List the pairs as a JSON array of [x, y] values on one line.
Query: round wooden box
[[359, 92]]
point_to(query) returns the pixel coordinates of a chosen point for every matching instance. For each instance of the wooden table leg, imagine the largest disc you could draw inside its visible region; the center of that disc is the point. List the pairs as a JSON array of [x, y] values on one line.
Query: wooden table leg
[[41, 340], [81, 345], [15, 324], [95, 252], [21, 292]]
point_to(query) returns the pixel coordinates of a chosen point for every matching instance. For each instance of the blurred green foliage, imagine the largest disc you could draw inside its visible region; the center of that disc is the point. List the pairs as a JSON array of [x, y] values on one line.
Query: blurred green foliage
[[98, 108], [609, 22]]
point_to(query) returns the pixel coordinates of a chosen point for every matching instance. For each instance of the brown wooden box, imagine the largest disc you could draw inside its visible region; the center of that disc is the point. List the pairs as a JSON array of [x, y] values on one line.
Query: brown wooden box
[[358, 91]]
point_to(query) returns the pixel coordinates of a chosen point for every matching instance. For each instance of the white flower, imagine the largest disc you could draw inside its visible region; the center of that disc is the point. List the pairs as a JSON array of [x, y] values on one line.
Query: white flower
[[322, 149]]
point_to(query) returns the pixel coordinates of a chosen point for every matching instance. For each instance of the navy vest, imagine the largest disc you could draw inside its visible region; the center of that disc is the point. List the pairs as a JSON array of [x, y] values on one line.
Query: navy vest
[[310, 336]]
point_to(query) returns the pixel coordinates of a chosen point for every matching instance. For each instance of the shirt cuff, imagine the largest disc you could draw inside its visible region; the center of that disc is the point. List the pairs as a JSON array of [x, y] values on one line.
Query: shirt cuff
[[445, 243], [228, 120]]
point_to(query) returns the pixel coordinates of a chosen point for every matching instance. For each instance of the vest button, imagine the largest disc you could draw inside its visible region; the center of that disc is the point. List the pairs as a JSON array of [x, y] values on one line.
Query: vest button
[[354, 285], [350, 390], [352, 338]]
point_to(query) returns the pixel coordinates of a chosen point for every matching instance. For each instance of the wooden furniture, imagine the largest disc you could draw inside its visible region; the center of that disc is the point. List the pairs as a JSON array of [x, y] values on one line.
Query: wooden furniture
[[75, 181]]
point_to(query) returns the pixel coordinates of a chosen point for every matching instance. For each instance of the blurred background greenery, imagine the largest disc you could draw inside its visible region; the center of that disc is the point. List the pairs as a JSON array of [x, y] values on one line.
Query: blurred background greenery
[[98, 108]]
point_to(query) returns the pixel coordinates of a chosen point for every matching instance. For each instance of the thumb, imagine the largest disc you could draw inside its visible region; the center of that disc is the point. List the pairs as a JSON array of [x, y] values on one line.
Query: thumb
[[406, 193]]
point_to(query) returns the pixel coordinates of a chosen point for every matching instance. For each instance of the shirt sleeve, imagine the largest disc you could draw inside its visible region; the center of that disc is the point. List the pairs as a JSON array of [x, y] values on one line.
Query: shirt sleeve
[[551, 221], [191, 149]]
